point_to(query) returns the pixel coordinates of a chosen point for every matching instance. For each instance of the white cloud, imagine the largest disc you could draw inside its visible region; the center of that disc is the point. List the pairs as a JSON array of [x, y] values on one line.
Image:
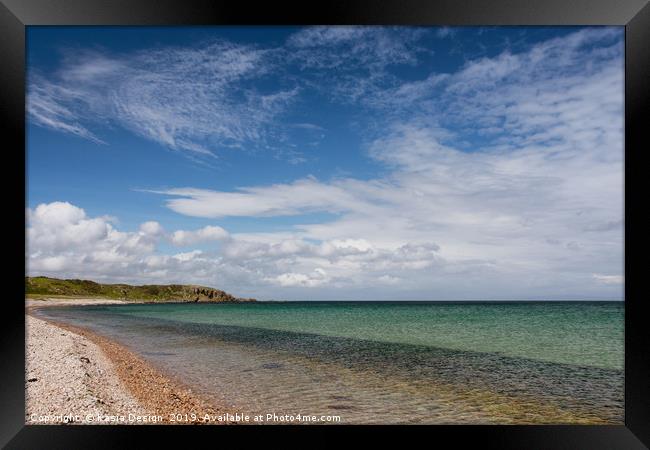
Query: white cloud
[[59, 225], [444, 32], [206, 234], [378, 265], [360, 56], [46, 108], [609, 279], [281, 199], [187, 99], [333, 46], [316, 278], [61, 237], [188, 256], [152, 228], [63, 241]]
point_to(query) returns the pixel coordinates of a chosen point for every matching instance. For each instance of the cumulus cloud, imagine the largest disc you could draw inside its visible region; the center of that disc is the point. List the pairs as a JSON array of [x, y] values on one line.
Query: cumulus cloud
[[63, 241], [206, 234], [315, 278], [152, 228], [61, 237]]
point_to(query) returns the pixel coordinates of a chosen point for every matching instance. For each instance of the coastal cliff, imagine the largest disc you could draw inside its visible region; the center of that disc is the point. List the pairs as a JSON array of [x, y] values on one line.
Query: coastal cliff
[[45, 286]]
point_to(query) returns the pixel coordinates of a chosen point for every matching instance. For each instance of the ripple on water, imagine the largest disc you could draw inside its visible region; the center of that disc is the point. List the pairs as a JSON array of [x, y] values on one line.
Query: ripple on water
[[364, 381]]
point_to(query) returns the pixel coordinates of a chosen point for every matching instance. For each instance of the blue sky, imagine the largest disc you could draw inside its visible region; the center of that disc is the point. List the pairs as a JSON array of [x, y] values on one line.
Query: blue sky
[[329, 162]]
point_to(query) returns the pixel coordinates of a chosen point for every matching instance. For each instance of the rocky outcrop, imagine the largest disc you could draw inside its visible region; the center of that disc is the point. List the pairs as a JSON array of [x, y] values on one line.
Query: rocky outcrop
[[203, 294]]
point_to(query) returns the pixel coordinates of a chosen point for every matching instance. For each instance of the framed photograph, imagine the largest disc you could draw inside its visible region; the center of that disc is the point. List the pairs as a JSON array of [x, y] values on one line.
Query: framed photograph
[[390, 218]]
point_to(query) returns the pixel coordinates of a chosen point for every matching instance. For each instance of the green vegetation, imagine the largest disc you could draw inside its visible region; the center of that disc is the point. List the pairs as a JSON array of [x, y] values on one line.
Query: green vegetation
[[38, 287]]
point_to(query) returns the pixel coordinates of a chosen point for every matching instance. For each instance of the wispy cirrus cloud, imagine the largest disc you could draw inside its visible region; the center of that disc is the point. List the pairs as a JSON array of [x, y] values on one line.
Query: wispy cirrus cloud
[[523, 97], [189, 99], [360, 57], [356, 46], [46, 107], [201, 98]]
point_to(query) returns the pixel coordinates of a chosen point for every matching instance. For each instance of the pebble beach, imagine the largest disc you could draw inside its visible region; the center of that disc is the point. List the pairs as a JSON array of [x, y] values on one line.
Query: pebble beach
[[73, 376]]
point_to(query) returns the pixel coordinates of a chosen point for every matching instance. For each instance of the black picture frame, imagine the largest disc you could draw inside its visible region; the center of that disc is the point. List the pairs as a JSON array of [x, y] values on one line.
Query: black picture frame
[[15, 15]]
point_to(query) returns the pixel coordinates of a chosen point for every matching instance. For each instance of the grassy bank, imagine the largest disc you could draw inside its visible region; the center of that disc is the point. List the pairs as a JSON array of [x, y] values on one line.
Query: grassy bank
[[45, 287]]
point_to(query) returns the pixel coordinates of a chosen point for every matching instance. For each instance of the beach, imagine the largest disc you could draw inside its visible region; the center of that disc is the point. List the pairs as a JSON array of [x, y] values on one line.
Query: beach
[[75, 376], [381, 362]]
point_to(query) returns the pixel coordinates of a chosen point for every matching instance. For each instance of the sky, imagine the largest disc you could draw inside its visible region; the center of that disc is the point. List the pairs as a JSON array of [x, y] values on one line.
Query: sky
[[329, 163]]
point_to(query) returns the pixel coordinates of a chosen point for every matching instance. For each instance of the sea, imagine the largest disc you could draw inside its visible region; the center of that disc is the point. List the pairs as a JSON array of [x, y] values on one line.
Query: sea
[[383, 362]]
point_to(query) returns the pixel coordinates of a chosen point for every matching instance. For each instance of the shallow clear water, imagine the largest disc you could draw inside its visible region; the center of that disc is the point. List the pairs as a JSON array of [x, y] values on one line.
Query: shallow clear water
[[385, 362]]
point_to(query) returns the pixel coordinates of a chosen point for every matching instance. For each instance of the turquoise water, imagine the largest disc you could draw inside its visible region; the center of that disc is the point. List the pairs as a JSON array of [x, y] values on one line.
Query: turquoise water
[[577, 333], [543, 362]]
